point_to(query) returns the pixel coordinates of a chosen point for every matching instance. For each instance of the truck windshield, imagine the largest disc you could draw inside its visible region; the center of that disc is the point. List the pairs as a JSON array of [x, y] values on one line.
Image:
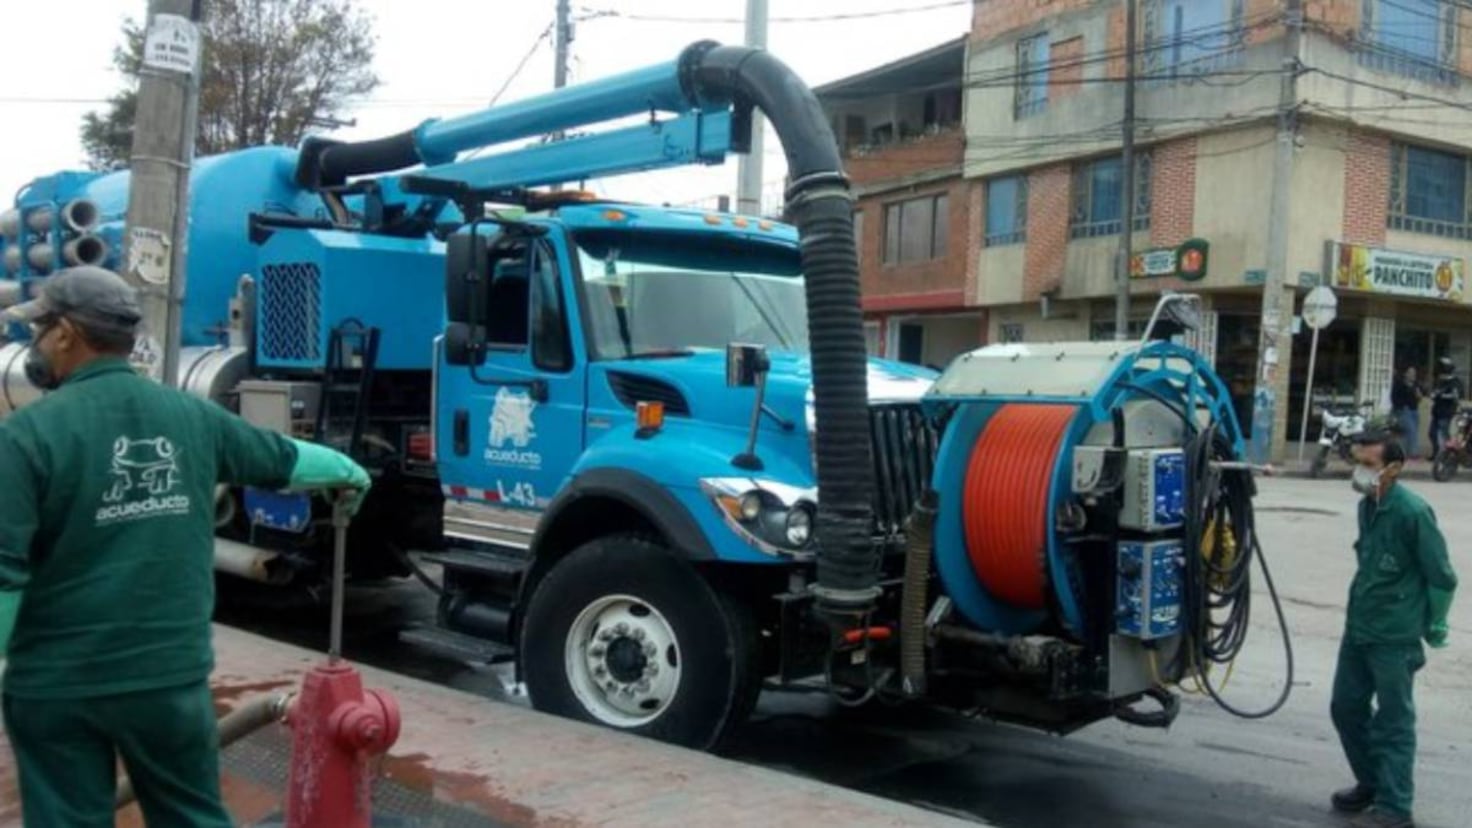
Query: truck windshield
[[652, 294]]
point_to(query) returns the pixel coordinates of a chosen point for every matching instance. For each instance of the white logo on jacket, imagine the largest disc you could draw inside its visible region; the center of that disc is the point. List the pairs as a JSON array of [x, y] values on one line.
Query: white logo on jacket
[[144, 473]]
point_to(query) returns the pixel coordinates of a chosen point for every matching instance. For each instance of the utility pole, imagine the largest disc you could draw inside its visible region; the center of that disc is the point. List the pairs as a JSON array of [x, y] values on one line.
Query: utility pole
[[1274, 349], [749, 166], [1127, 190], [157, 222], [564, 42]]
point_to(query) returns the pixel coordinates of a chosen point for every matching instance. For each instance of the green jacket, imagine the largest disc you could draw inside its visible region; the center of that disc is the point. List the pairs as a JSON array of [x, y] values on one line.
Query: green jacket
[[1402, 562], [108, 530]]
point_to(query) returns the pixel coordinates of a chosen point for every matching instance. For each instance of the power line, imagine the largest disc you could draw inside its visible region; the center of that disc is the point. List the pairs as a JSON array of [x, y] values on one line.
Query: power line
[[818, 18]]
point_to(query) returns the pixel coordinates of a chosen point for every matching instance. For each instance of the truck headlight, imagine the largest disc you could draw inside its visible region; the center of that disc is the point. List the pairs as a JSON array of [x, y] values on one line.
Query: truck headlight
[[773, 517]]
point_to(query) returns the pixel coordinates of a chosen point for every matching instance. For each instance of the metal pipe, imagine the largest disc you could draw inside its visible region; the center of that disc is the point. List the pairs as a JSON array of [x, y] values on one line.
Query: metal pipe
[[12, 259], [245, 561], [80, 215], [41, 257], [85, 250], [250, 717], [664, 87], [10, 224], [41, 219]]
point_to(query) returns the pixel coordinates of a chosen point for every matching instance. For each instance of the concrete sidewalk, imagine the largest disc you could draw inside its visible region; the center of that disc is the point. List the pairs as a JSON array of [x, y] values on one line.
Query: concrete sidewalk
[[463, 760]]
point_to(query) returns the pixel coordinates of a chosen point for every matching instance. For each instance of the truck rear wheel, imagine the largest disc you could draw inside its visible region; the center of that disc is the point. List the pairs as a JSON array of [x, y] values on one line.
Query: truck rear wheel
[[624, 634]]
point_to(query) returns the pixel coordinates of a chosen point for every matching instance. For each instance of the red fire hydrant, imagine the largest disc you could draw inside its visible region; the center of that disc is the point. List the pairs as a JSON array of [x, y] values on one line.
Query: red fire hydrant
[[338, 728]]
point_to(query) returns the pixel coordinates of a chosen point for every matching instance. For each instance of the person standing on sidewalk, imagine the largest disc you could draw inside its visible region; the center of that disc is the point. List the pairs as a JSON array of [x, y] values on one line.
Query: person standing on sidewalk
[[1446, 396], [1401, 595], [1405, 406], [106, 564]]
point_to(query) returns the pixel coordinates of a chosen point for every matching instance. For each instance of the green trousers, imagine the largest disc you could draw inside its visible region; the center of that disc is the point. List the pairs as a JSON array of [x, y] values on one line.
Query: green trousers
[[66, 753], [1380, 743]]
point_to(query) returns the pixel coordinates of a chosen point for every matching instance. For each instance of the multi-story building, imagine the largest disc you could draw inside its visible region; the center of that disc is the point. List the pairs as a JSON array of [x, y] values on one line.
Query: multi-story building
[[903, 142], [1377, 189]]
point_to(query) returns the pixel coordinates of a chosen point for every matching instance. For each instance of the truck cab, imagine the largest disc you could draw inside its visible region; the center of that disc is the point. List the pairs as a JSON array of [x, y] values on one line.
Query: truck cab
[[592, 431]]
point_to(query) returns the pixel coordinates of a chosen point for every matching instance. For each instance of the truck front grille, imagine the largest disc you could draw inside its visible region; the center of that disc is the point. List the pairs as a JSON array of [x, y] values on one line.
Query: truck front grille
[[904, 448]]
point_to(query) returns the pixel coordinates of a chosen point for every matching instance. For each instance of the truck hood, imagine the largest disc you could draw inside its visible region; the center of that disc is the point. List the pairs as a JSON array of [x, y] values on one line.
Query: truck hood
[[701, 377]]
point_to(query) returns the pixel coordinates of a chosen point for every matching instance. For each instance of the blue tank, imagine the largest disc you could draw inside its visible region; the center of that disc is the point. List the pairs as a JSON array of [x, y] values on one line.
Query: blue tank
[[224, 190]]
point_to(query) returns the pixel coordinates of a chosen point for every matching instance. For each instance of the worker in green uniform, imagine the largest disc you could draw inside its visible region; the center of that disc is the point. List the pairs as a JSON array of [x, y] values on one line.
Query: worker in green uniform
[[106, 572], [1401, 595]]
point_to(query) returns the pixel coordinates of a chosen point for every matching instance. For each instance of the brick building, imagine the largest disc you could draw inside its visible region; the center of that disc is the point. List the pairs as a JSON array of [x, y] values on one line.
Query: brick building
[[1380, 187], [904, 147]]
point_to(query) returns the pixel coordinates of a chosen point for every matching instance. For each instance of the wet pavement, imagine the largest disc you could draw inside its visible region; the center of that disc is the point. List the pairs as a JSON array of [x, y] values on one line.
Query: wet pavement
[[1210, 770]]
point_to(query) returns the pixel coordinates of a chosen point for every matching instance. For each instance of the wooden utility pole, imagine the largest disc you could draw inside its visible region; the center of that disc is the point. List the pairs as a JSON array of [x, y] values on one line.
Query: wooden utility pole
[[155, 244]]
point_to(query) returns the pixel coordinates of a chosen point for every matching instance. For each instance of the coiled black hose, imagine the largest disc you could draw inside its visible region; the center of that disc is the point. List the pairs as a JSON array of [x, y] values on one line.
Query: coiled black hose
[[1218, 588]]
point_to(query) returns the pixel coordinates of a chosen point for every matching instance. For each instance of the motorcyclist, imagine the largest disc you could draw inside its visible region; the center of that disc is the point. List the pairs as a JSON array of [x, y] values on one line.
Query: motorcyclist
[[1446, 395]]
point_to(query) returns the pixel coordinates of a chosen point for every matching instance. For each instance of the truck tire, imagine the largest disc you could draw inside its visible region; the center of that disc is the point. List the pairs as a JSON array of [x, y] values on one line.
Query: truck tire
[[624, 634]]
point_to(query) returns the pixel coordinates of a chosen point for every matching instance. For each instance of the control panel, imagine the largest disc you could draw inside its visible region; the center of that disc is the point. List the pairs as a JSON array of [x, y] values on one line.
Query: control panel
[[1149, 589], [1154, 490]]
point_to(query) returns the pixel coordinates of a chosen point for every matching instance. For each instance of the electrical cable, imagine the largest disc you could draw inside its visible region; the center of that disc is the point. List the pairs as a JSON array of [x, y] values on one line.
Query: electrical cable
[[1218, 585], [1005, 511]]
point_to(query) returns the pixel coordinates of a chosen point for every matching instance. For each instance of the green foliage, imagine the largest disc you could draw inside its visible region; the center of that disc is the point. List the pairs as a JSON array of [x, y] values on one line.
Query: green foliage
[[272, 70]]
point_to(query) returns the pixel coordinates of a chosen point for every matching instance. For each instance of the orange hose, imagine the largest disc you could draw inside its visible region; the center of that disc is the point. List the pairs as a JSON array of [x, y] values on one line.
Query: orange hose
[[1005, 512]]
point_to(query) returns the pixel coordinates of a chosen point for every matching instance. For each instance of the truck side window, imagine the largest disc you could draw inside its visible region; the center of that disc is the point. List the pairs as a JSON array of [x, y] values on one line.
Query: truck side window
[[551, 350], [508, 302]]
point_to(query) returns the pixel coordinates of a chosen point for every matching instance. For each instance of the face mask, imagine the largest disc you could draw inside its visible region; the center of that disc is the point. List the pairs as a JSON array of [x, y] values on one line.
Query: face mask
[[38, 368], [1366, 480]]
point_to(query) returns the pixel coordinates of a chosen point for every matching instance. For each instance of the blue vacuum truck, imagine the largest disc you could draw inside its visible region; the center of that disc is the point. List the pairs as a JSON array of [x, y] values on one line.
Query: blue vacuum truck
[[642, 453]]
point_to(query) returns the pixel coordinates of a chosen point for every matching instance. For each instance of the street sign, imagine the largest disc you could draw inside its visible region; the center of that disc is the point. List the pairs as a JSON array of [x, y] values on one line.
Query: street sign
[[1320, 307]]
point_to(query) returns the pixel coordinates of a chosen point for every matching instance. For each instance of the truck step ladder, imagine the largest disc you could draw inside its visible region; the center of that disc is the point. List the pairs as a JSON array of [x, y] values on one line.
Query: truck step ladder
[[347, 384], [490, 564], [457, 646]]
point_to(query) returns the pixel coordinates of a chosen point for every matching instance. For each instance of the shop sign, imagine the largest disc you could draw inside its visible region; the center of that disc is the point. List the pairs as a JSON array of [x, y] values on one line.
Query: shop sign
[[1149, 264], [1393, 273], [1188, 261]]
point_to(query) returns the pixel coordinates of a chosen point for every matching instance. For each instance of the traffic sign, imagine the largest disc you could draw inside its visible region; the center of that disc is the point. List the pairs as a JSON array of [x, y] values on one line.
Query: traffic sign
[[1320, 307]]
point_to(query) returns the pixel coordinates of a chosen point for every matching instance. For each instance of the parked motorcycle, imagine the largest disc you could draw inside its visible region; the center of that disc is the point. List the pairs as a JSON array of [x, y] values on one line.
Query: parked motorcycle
[[1456, 451], [1339, 427]]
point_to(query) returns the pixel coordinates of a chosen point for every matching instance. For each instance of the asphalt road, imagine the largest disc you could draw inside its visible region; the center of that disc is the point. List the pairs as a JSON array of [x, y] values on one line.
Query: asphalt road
[[1210, 770]]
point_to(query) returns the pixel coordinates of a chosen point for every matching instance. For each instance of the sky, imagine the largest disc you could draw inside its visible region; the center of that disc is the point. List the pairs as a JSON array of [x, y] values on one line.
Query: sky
[[440, 58]]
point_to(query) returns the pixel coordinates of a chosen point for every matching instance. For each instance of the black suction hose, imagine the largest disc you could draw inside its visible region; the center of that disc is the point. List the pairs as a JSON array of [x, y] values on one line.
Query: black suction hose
[[821, 206]]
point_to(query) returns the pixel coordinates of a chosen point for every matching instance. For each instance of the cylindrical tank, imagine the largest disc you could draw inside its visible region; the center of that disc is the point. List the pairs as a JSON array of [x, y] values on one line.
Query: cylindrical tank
[[224, 190], [15, 389]]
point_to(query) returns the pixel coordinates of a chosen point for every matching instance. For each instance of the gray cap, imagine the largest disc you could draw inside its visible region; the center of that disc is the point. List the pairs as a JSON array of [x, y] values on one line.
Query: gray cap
[[89, 294]]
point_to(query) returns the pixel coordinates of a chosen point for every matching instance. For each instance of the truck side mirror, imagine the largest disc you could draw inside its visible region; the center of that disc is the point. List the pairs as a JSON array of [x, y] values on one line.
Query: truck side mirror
[[464, 344], [745, 364], [467, 265]]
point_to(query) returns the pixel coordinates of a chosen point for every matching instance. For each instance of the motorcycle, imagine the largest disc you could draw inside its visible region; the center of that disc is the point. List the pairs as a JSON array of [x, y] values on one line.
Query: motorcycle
[[1456, 451], [1339, 427]]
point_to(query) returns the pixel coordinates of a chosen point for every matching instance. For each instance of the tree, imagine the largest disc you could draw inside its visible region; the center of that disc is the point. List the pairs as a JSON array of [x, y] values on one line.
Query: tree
[[272, 70]]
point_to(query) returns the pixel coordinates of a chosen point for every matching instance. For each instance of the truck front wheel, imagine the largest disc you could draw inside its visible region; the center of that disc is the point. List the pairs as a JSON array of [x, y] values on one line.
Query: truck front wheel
[[624, 634]]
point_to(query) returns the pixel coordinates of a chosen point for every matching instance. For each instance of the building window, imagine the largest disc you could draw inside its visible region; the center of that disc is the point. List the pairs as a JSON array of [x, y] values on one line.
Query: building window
[[1006, 210], [1103, 330], [1428, 192], [1414, 38], [1032, 76], [1098, 196], [1011, 332], [915, 230], [859, 234], [1190, 38]]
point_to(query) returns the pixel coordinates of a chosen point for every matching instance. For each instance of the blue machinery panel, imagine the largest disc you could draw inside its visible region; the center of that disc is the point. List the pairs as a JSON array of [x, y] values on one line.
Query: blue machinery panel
[[1149, 588]]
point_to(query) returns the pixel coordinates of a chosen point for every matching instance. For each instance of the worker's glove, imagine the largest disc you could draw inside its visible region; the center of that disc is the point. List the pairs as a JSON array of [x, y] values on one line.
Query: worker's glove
[[1439, 603], [319, 467]]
